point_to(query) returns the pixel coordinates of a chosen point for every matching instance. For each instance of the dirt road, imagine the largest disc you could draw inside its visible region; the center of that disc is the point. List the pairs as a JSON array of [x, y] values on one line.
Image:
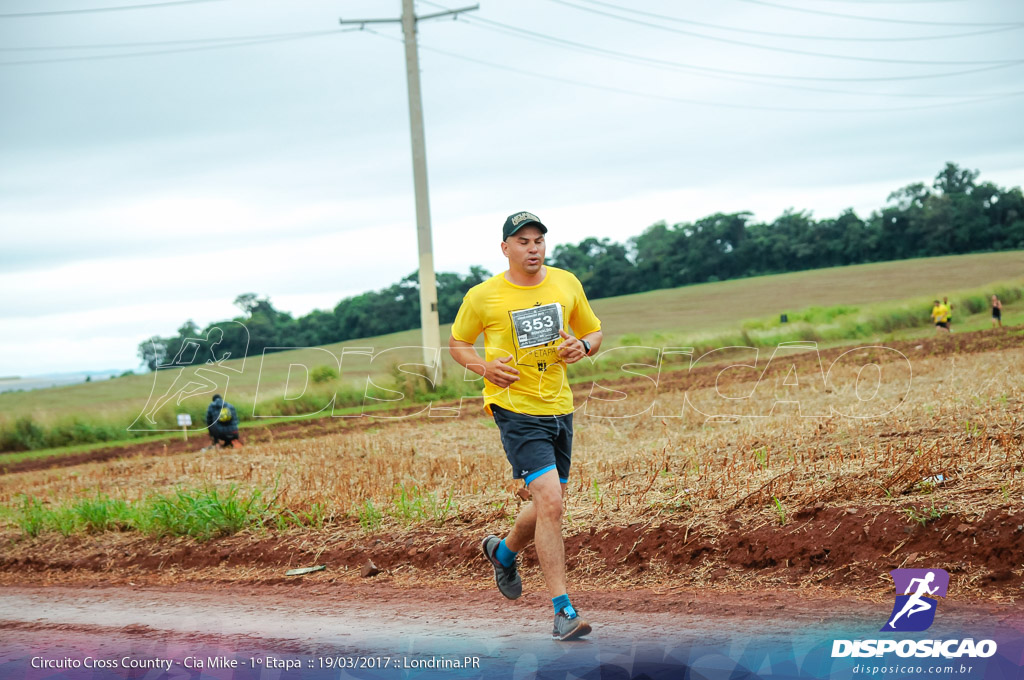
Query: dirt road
[[370, 631]]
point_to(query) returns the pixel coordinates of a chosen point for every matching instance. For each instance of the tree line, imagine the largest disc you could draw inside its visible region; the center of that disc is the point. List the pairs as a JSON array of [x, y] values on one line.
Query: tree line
[[391, 309], [956, 214]]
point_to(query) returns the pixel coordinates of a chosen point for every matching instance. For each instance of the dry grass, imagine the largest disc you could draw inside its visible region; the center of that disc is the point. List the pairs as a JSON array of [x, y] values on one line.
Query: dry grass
[[960, 419]]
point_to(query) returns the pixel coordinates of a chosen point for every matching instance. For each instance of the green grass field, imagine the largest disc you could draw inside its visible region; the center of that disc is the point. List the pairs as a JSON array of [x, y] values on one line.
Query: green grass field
[[854, 303], [722, 306]]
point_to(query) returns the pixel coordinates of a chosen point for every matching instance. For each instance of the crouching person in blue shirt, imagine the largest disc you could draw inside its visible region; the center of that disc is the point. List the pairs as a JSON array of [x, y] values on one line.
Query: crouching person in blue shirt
[[222, 421]]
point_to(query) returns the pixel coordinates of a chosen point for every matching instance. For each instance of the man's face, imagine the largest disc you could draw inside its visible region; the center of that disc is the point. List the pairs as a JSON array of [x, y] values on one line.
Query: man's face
[[525, 250]]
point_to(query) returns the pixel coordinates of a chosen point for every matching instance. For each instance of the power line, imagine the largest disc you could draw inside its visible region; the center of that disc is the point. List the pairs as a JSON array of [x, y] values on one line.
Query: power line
[[894, 2], [682, 100], [877, 60], [548, 39], [93, 10], [671, 65], [793, 36], [163, 43], [879, 19], [122, 55]]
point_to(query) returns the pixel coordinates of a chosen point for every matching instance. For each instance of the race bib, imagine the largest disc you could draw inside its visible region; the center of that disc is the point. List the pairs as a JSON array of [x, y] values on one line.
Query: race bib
[[537, 326]]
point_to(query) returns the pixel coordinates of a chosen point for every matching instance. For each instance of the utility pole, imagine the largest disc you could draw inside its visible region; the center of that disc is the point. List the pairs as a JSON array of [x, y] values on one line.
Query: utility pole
[[429, 320]]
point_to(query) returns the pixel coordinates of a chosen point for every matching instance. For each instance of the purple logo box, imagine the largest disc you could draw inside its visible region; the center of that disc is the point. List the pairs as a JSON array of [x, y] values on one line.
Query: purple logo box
[[939, 579]]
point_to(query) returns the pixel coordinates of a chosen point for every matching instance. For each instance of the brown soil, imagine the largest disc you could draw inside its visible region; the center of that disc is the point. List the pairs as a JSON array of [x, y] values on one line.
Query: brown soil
[[823, 548]]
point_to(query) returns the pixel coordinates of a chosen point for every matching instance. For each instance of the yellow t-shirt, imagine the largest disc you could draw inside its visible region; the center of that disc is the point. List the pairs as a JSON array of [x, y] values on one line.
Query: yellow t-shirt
[[940, 313], [523, 321]]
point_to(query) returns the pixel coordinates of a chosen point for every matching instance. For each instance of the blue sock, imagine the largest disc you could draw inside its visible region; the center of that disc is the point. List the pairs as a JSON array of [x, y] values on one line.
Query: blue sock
[[562, 602], [504, 555]]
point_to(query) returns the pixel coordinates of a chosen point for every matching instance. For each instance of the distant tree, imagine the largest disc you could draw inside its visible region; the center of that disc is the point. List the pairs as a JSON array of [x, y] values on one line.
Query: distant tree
[[188, 330], [451, 288], [234, 340], [316, 328], [603, 267], [1006, 219], [654, 252], [955, 180], [267, 326], [246, 302], [153, 352], [857, 240], [714, 248], [910, 197]]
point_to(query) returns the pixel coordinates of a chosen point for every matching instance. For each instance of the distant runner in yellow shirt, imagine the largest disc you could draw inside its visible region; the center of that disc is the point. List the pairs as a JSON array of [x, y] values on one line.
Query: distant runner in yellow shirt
[[940, 315], [525, 315]]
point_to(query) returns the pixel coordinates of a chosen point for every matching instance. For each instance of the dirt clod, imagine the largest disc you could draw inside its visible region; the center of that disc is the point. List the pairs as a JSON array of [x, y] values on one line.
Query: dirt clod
[[369, 569]]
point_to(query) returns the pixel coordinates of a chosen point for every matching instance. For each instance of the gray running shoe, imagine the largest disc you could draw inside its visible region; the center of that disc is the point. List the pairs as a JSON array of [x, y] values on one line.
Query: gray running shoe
[[507, 578], [569, 629]]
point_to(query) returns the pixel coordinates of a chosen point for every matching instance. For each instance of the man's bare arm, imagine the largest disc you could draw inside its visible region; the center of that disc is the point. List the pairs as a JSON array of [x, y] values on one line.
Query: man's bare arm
[[497, 371]]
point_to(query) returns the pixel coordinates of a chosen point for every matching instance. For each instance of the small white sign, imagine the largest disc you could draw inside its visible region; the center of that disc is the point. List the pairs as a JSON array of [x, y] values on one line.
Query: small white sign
[[184, 420]]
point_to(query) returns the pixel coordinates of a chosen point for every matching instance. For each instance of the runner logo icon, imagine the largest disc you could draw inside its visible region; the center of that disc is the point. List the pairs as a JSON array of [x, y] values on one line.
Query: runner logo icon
[[914, 609]]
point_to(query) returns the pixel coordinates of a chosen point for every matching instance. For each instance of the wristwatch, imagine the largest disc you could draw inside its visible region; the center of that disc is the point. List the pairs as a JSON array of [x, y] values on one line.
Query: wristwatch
[[586, 347]]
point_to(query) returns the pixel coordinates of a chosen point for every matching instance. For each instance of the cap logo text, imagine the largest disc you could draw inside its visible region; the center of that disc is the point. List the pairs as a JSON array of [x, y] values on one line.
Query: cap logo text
[[523, 217]]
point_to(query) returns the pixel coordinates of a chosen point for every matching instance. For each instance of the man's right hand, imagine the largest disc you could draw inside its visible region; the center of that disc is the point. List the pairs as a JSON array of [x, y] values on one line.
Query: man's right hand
[[498, 372]]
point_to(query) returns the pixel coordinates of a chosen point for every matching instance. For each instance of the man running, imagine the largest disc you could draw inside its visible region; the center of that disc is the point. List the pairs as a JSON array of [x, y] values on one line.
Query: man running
[[524, 315], [997, 311], [940, 316]]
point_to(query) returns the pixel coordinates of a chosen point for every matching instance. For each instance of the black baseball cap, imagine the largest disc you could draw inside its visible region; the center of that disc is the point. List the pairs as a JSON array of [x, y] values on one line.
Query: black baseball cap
[[517, 221]]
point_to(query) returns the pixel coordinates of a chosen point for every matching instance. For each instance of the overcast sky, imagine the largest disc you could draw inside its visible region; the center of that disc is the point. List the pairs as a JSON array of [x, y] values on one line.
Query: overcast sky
[[159, 161]]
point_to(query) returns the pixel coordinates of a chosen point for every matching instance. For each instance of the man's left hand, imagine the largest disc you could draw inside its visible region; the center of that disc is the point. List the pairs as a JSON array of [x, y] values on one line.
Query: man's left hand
[[571, 350]]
